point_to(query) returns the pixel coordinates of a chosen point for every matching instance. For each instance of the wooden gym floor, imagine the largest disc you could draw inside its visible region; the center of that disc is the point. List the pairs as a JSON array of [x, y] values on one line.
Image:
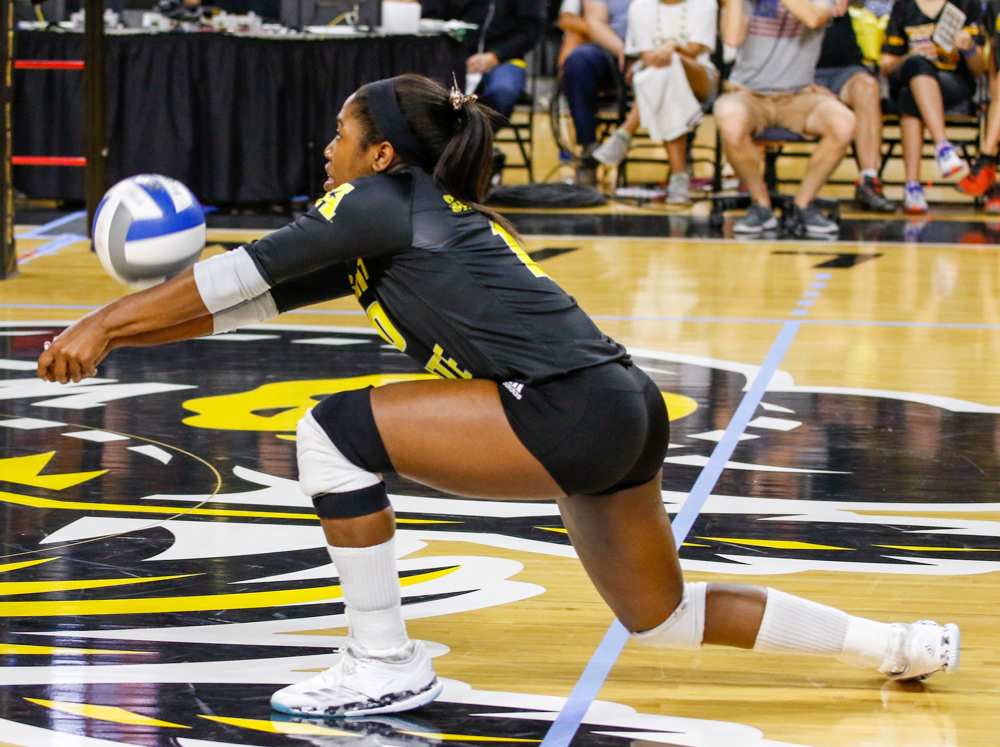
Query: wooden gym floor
[[161, 574]]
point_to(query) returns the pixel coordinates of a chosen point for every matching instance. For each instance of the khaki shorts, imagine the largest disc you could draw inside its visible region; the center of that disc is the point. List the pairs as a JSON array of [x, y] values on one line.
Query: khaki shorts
[[788, 110]]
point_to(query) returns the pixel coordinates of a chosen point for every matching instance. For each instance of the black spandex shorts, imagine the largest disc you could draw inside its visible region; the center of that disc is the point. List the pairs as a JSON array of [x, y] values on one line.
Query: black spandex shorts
[[596, 431]]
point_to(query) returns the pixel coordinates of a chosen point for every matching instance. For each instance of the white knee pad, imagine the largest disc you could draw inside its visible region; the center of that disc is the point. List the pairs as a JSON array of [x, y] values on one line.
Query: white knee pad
[[685, 628], [322, 468]]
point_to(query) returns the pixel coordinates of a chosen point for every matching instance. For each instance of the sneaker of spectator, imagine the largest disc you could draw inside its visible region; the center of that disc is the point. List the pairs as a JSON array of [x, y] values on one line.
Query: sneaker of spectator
[[614, 149], [982, 174], [813, 222], [679, 191], [914, 202], [948, 161], [868, 196], [992, 205], [757, 220], [586, 173]]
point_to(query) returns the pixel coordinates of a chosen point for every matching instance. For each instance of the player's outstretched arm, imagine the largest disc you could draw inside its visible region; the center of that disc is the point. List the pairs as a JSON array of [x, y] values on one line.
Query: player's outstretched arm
[[75, 353]]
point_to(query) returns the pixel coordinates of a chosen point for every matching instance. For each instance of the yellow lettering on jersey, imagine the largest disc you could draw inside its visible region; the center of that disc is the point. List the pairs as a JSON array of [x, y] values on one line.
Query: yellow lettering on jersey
[[359, 280], [385, 327], [445, 367], [456, 205], [329, 202], [500, 231]]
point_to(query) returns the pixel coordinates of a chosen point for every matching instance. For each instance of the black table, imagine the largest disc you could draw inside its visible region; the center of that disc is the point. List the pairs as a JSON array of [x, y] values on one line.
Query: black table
[[237, 119]]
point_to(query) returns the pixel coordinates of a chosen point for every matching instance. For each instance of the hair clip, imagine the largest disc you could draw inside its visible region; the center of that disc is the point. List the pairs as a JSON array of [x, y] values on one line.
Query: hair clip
[[457, 98]]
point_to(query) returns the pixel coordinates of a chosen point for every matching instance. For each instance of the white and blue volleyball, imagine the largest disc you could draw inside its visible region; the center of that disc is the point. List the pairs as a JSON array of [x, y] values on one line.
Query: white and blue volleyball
[[147, 229]]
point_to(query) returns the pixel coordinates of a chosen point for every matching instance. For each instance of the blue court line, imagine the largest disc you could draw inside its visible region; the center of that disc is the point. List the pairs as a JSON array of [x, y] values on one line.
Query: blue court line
[[567, 722], [50, 247], [39, 231]]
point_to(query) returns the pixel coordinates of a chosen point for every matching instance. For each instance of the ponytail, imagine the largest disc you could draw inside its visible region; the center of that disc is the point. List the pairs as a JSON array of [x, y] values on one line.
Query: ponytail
[[455, 131]]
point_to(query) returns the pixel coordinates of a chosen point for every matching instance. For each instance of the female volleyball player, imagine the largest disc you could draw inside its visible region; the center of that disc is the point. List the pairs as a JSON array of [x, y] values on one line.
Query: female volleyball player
[[533, 402]]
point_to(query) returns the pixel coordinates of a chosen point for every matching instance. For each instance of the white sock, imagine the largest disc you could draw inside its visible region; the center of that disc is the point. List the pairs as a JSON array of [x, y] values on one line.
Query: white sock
[[869, 173], [372, 596], [795, 625]]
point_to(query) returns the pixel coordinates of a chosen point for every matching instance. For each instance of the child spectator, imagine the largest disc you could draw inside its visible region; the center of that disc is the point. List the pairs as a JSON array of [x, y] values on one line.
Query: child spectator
[[926, 78], [674, 75]]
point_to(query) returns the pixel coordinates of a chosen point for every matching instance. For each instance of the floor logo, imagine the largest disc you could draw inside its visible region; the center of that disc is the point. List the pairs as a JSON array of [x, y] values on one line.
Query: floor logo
[[159, 536]]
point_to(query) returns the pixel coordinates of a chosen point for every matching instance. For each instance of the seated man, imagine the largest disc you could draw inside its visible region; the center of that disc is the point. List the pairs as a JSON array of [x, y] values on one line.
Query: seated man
[[842, 71], [589, 70], [771, 85], [508, 29]]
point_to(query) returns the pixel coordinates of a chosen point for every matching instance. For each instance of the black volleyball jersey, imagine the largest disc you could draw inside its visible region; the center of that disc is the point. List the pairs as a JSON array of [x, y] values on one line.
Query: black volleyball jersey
[[440, 281], [908, 25]]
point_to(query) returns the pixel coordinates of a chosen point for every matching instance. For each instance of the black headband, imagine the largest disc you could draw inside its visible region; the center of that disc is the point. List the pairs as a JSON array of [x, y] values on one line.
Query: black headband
[[390, 121]]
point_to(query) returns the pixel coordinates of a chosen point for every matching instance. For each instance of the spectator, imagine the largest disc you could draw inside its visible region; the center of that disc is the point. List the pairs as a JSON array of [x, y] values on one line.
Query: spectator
[[982, 176], [591, 69], [771, 85], [674, 75], [508, 29], [842, 71], [574, 28], [925, 79]]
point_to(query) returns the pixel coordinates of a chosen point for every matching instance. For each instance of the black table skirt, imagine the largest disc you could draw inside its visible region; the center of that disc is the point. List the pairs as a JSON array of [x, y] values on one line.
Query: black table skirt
[[236, 119]]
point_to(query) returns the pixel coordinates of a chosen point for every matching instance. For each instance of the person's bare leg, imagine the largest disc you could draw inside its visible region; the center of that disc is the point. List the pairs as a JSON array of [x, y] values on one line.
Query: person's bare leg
[[697, 77], [834, 124], [861, 94], [927, 93], [360, 531], [677, 154], [631, 123], [626, 545], [991, 140], [733, 121], [454, 435], [911, 131]]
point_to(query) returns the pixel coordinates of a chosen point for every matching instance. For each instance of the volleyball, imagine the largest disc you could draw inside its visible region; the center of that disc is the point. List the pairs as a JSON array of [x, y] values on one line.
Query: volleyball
[[147, 229]]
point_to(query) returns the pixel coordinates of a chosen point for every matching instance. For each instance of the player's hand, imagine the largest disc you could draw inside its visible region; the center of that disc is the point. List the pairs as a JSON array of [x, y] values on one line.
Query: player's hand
[[74, 354], [481, 63], [925, 48], [963, 40]]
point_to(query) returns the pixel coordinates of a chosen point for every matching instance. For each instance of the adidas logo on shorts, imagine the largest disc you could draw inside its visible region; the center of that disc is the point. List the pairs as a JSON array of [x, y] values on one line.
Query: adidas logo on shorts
[[514, 388]]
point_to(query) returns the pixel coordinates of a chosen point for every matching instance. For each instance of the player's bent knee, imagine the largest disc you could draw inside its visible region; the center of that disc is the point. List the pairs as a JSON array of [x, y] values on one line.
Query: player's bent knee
[[339, 488], [685, 628]]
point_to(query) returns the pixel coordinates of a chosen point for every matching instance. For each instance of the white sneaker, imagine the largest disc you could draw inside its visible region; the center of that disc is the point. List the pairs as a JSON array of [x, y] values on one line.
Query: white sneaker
[[679, 191], [914, 201], [614, 149], [919, 650], [948, 160], [359, 684]]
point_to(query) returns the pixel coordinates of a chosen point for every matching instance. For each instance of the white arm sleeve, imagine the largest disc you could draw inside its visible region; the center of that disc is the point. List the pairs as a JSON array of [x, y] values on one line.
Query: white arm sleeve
[[228, 280], [256, 310]]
